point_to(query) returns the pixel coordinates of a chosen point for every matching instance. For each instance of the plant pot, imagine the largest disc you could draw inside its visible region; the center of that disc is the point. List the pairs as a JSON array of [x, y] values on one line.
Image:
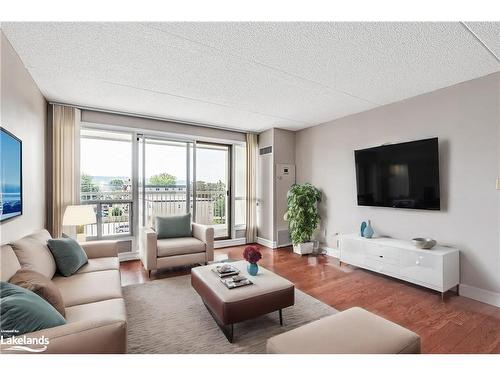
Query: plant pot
[[303, 248]]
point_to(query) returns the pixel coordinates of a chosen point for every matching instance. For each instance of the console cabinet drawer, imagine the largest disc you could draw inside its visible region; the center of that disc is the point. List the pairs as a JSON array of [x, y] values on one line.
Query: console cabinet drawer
[[383, 266], [352, 252], [384, 254], [426, 268]]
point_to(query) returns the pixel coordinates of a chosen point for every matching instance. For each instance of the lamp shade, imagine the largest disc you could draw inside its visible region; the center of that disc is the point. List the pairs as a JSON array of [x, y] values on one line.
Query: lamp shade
[[79, 215]]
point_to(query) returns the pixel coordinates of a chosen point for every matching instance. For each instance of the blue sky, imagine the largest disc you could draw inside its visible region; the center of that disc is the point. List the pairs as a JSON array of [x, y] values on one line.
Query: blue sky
[[11, 163]]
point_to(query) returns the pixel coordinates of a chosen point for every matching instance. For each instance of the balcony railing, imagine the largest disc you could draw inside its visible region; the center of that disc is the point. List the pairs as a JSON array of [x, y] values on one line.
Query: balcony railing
[[114, 209]]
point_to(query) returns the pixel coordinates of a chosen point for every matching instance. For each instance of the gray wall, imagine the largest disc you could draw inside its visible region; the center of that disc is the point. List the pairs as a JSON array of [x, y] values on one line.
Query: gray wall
[[466, 119], [284, 146], [24, 113], [265, 188], [269, 220]]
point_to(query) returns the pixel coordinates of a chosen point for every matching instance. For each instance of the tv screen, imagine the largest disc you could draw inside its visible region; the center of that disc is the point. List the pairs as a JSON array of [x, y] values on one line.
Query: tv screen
[[403, 175], [11, 195]]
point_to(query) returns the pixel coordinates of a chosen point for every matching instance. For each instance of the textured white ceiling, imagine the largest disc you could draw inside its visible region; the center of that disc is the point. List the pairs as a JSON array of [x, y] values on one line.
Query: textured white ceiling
[[250, 76]]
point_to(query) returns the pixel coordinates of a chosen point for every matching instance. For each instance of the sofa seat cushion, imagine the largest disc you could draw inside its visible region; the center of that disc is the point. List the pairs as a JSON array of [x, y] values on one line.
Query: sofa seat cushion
[[89, 287], [110, 309], [179, 246], [353, 331], [100, 264], [34, 254]]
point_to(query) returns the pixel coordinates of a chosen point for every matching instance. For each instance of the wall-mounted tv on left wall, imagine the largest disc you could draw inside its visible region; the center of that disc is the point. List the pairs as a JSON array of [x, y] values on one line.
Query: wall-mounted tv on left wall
[[11, 179]]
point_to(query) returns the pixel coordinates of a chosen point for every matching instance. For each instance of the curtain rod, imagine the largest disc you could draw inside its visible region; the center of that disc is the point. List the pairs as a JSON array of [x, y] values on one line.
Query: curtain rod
[[131, 114]]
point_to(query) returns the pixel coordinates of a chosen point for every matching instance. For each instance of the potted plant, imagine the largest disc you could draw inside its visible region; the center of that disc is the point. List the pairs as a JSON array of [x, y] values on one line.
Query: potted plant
[[302, 216], [252, 256]]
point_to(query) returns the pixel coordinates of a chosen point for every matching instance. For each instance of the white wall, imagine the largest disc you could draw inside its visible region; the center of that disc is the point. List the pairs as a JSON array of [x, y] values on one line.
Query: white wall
[[23, 113], [466, 119]]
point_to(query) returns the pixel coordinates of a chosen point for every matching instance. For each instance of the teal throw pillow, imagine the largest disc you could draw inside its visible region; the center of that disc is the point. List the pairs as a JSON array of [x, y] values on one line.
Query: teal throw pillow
[[173, 226], [68, 254], [22, 311]]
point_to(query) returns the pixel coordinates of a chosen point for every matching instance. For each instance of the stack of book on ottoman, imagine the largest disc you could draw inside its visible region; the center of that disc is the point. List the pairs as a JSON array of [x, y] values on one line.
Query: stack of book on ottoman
[[230, 277]]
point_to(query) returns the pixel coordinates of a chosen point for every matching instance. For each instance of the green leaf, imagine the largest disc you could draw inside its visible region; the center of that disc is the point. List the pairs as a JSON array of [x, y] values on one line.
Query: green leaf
[[302, 211]]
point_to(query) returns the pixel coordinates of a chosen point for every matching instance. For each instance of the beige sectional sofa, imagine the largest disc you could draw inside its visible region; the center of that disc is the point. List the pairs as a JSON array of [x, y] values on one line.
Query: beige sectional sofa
[[95, 308]]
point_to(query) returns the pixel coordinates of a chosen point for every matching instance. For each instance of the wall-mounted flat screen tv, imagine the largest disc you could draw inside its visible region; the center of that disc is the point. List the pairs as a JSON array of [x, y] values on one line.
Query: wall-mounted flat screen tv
[[11, 184], [403, 175]]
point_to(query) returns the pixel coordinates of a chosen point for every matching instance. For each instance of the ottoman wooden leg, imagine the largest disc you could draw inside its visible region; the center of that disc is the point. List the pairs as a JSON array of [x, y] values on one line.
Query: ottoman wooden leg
[[281, 317]]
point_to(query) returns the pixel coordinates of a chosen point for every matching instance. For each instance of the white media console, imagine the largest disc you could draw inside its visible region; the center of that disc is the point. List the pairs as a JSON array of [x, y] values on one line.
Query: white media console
[[436, 269]]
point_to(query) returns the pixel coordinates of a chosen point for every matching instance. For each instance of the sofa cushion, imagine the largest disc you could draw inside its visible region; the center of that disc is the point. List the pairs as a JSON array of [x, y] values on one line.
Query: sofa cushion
[[69, 255], [110, 309], [179, 246], [100, 264], [173, 226], [40, 285], [22, 311], [353, 331], [89, 287], [9, 264], [33, 253]]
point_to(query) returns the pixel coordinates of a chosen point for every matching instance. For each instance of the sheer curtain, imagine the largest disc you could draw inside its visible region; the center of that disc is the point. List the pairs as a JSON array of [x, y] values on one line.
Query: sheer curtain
[[251, 214], [63, 151]]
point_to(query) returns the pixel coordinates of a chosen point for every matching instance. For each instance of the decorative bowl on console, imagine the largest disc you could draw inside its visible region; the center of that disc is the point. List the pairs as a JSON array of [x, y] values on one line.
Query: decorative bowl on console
[[424, 243]]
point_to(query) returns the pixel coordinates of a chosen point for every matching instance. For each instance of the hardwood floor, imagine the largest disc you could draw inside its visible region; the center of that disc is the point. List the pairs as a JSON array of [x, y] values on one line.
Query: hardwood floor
[[455, 325]]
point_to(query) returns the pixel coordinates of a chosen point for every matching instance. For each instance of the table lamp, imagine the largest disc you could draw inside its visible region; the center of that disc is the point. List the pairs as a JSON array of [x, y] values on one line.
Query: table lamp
[[79, 215]]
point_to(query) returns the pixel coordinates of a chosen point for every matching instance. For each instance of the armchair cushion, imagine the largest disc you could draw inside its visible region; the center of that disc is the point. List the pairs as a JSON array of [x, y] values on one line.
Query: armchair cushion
[[173, 226], [179, 246]]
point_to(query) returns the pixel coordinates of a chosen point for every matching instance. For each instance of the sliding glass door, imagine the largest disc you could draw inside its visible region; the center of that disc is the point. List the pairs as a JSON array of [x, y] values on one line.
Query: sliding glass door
[[164, 178], [177, 177], [131, 178], [213, 187]]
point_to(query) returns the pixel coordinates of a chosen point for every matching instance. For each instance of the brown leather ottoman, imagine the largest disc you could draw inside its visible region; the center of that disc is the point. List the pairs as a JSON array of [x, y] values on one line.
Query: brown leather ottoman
[[268, 293]]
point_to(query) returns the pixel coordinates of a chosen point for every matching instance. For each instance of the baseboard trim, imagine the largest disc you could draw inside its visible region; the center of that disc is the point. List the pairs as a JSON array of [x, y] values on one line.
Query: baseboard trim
[[481, 295], [330, 251], [284, 244], [230, 242], [266, 243], [129, 255]]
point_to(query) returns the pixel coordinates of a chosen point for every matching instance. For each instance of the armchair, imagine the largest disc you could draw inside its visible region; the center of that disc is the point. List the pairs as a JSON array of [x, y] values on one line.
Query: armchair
[[180, 251]]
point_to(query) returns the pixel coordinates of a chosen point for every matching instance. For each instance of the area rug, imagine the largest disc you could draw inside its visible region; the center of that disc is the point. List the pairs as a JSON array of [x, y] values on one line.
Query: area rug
[[167, 316]]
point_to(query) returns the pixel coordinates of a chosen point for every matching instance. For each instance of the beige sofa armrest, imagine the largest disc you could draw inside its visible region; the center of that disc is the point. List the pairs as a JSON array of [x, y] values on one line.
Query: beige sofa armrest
[[148, 248], [205, 234], [82, 337], [100, 249]]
